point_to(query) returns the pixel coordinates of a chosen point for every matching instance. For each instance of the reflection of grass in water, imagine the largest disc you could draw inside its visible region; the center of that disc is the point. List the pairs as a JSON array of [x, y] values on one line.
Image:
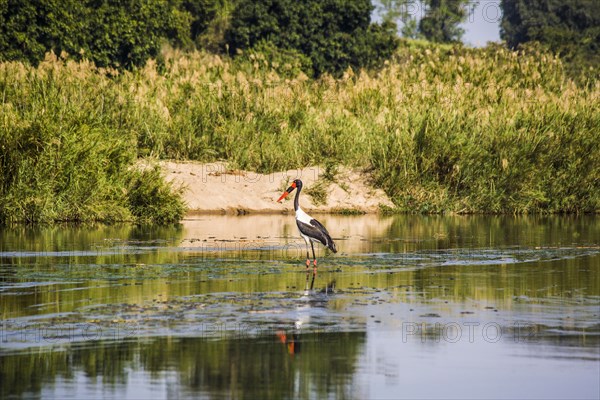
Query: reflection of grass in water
[[348, 211], [168, 291], [241, 364], [449, 268], [103, 244], [490, 275]]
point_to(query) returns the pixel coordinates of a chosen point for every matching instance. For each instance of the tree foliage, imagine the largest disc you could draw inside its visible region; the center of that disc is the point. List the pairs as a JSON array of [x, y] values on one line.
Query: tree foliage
[[568, 27], [434, 20], [202, 12], [333, 34], [405, 11], [441, 22], [111, 33]]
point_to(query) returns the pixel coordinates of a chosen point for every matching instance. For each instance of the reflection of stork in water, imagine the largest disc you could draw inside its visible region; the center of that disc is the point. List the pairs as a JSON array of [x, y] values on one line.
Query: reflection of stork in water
[[309, 300], [310, 229]]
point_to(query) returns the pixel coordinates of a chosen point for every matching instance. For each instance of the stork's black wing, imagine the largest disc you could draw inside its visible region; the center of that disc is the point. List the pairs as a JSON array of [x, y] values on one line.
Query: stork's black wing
[[317, 231]]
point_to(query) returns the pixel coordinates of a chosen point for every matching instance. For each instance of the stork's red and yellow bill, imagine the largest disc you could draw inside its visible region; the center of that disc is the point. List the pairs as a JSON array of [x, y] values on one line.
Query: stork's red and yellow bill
[[288, 191]]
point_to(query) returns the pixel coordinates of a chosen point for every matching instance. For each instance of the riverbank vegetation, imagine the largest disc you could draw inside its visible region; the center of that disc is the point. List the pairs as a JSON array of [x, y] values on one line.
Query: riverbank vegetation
[[442, 128], [269, 85]]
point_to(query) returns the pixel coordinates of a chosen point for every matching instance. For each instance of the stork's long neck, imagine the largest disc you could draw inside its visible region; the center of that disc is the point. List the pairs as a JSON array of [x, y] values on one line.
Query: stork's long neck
[[296, 201]]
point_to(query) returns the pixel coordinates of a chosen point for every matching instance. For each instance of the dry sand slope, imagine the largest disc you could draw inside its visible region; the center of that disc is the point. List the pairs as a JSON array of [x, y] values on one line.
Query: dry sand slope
[[210, 188]]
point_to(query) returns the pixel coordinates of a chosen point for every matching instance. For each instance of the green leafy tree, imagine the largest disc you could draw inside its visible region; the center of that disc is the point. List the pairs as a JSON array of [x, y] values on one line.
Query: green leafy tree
[[405, 11], [210, 21], [28, 29], [333, 34], [442, 18], [568, 27], [109, 32], [202, 12], [127, 33], [434, 20]]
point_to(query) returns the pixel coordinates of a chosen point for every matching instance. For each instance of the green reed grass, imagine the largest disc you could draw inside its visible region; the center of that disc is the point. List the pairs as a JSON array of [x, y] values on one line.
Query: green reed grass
[[442, 128], [67, 146]]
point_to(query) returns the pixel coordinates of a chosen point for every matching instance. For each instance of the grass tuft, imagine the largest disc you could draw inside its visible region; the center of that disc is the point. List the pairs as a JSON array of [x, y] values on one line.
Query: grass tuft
[[318, 192]]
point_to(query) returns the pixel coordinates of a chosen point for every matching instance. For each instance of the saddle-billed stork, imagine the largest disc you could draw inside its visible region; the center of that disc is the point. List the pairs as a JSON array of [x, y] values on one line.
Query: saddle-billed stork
[[310, 229]]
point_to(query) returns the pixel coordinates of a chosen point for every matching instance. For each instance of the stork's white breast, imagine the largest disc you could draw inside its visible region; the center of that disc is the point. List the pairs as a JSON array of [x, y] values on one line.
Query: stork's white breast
[[302, 216]]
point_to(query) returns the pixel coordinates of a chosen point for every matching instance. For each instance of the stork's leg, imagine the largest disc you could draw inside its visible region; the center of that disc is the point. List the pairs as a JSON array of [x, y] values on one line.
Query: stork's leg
[[307, 258], [306, 285], [306, 240], [314, 257]]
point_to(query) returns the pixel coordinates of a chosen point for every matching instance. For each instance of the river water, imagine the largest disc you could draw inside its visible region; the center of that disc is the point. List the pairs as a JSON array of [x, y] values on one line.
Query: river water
[[222, 307]]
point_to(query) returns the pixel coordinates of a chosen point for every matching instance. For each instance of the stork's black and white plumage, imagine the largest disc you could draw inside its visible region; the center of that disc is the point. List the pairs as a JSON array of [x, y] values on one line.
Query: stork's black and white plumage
[[310, 229]]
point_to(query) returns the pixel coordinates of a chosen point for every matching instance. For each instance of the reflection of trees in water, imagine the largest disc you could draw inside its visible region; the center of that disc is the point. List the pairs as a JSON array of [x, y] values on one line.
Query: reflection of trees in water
[[574, 342], [72, 253], [249, 367], [28, 371], [254, 367], [73, 244], [262, 368], [444, 232]]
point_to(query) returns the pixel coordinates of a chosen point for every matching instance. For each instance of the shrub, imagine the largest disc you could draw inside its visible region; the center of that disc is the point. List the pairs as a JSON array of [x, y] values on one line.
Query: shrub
[[151, 199]]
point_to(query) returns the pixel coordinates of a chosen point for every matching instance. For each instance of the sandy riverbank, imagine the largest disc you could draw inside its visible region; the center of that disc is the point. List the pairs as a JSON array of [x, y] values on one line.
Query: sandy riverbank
[[213, 188]]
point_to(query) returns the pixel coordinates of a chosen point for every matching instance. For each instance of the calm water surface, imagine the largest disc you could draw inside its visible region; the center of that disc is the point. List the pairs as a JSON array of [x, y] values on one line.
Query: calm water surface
[[221, 307]]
